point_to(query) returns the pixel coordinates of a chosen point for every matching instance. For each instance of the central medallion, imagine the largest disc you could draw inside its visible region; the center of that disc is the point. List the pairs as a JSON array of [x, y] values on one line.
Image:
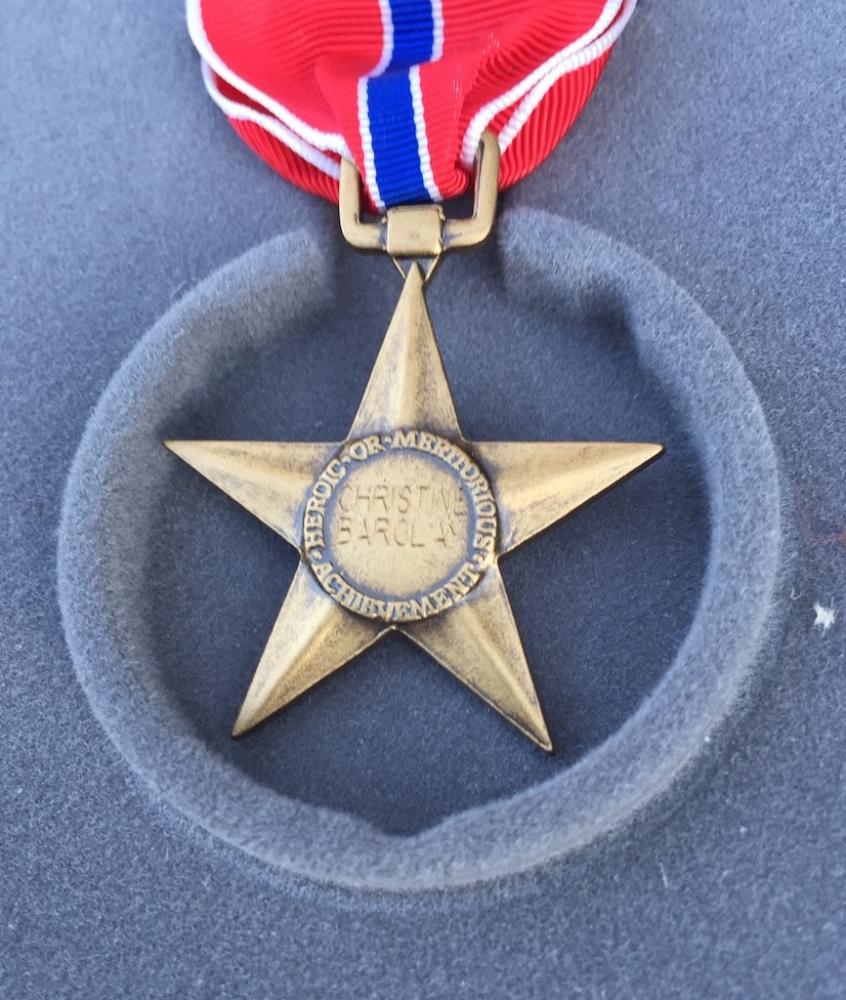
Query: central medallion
[[400, 526]]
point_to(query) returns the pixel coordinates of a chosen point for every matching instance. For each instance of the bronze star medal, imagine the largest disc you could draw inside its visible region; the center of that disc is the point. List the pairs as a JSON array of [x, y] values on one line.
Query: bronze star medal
[[401, 526]]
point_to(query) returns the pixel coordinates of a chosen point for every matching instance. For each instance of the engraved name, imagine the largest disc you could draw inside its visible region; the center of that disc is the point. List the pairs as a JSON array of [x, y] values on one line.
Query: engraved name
[[400, 514]]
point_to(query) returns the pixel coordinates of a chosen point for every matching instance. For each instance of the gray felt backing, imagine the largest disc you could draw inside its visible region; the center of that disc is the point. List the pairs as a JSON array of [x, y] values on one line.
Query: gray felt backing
[[713, 149]]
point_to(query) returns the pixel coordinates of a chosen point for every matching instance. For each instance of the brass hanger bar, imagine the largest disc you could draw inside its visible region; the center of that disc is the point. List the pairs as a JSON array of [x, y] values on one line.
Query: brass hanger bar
[[422, 230]]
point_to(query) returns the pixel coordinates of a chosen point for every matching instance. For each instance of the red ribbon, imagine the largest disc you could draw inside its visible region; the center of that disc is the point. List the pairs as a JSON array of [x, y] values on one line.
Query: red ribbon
[[291, 79]]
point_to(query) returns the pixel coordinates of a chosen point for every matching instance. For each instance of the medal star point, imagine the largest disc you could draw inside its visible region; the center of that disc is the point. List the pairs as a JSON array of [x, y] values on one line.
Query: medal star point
[[430, 504]]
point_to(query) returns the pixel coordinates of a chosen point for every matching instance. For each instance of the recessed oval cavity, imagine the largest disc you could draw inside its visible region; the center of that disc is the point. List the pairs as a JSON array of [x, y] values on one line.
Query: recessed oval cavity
[[166, 693]]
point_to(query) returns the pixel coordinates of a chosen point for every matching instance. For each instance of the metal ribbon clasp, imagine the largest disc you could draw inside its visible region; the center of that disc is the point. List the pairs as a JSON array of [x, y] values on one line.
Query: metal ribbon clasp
[[422, 230]]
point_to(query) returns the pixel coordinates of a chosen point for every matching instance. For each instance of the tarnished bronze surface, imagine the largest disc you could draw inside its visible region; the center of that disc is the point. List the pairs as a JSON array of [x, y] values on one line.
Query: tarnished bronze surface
[[400, 527]]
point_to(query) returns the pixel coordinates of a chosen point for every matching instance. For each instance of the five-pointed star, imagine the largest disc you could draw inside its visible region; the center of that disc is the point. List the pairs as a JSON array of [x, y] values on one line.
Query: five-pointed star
[[535, 484]]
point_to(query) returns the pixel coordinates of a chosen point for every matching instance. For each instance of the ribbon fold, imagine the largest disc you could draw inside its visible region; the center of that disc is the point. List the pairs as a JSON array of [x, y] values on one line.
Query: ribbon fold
[[405, 88]]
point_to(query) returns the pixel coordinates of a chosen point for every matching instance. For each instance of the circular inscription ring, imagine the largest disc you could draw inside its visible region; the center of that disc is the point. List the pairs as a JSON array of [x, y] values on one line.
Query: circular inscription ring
[[400, 526]]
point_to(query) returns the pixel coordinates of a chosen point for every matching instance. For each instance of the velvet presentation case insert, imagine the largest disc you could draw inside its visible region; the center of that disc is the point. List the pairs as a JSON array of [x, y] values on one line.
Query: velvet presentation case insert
[[162, 653], [687, 838]]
